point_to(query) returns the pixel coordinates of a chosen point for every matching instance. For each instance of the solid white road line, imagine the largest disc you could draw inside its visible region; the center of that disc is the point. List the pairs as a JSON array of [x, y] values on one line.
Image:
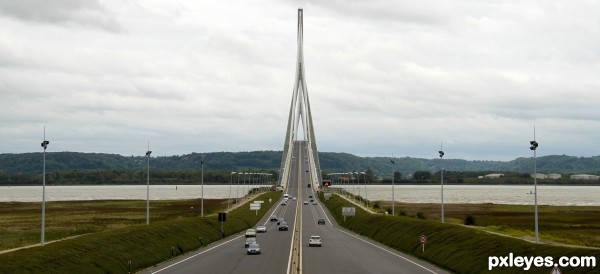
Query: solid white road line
[[174, 264], [413, 262]]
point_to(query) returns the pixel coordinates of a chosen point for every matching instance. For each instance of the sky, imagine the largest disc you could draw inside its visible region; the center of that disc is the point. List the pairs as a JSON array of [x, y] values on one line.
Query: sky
[[385, 77]]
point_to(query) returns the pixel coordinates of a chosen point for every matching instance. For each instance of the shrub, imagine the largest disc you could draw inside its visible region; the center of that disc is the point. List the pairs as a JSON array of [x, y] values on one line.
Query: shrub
[[469, 220]]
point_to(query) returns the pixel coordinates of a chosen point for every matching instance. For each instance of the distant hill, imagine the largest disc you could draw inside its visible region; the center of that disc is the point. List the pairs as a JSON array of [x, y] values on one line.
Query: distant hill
[[31, 163]]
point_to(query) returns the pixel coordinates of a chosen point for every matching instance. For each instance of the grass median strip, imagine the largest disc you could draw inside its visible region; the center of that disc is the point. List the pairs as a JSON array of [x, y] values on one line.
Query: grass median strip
[[454, 247], [130, 248]]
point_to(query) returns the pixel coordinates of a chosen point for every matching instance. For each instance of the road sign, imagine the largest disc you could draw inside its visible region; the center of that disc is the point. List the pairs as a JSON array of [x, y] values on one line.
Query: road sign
[[222, 216], [259, 202], [327, 195], [423, 240], [348, 211]]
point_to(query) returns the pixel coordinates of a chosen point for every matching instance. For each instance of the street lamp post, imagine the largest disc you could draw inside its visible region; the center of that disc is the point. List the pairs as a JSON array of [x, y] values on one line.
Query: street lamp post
[[365, 181], [148, 152], [229, 196], [202, 187], [442, 179], [237, 195], [393, 198], [534, 145], [45, 144]]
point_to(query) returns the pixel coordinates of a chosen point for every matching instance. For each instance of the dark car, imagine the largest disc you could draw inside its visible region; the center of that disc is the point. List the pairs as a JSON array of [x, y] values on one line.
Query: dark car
[[253, 249], [321, 221], [283, 226]]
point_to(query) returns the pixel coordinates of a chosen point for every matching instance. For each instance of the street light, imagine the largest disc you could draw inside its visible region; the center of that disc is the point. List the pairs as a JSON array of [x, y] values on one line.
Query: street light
[[534, 145], [442, 179], [393, 199], [237, 195], [148, 186], [45, 144], [365, 181], [229, 196], [202, 187]]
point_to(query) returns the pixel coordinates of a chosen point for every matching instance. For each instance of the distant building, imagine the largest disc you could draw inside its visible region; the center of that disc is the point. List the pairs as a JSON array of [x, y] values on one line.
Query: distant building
[[554, 176], [585, 177], [539, 176], [494, 176]]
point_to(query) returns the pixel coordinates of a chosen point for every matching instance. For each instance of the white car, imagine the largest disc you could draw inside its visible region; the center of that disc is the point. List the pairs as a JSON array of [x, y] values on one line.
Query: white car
[[314, 240], [261, 229], [305, 202]]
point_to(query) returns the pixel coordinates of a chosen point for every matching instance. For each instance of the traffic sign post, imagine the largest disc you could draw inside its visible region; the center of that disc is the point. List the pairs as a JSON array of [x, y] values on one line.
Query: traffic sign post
[[255, 206], [348, 211], [423, 240]]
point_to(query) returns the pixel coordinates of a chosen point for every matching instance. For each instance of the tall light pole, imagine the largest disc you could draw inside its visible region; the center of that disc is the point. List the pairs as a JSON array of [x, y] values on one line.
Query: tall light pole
[[44, 145], [365, 181], [237, 195], [229, 196], [534, 145], [202, 187], [441, 152], [148, 152], [357, 181], [393, 198]]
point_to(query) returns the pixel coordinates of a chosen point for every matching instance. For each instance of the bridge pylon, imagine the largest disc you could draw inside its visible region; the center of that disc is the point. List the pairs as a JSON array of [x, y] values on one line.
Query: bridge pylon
[[300, 114]]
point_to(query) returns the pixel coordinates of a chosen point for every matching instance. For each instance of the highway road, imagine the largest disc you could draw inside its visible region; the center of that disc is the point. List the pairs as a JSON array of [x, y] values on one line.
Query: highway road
[[341, 252]]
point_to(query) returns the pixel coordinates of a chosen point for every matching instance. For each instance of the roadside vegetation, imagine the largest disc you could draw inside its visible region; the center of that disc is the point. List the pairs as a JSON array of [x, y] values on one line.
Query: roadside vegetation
[[452, 246], [134, 246], [567, 225]]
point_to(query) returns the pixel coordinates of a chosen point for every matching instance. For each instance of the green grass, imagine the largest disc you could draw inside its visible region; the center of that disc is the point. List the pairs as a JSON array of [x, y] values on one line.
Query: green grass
[[454, 247], [20, 223], [143, 245], [573, 225]]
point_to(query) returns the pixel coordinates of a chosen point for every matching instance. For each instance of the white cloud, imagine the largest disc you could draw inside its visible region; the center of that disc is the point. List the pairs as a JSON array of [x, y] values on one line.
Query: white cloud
[[383, 76]]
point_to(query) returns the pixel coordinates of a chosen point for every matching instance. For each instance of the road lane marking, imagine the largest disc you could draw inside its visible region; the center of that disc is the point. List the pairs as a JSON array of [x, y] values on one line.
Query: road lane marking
[[169, 266], [397, 255]]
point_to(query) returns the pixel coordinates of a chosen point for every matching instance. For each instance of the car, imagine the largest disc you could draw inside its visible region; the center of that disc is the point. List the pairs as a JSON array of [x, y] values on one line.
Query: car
[[281, 220], [314, 202], [250, 241], [321, 221], [250, 233], [305, 202], [311, 200], [253, 249], [261, 229], [273, 218], [294, 198], [314, 240], [310, 196], [283, 226], [284, 203]]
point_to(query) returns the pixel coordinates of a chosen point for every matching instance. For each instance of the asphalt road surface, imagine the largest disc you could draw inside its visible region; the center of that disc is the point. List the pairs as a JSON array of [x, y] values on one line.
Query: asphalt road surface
[[341, 251]]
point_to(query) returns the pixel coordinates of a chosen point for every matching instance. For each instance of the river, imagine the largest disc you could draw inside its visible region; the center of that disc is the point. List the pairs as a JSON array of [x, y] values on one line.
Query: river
[[497, 194]]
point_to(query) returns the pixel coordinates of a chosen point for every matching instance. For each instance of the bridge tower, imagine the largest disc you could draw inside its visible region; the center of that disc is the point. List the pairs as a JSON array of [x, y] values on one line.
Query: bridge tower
[[300, 113]]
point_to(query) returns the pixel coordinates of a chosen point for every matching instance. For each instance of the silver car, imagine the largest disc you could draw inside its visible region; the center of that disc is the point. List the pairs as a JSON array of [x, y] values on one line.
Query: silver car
[[250, 241], [253, 249]]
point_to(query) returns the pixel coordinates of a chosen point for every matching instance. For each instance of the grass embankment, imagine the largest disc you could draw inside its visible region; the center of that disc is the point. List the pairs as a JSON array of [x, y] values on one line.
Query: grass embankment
[[571, 225], [130, 248], [454, 247], [20, 222]]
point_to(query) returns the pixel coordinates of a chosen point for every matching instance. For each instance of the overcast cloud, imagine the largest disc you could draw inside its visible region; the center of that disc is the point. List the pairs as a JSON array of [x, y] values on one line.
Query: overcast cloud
[[384, 77]]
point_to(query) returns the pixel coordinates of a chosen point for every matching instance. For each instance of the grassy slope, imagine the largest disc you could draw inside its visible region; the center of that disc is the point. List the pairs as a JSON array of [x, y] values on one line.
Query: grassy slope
[[144, 246], [457, 248]]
